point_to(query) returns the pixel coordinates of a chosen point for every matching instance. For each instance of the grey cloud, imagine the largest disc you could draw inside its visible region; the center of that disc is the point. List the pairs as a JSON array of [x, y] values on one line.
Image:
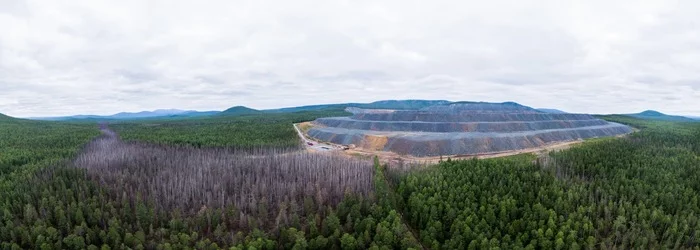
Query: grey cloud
[[260, 75], [104, 57], [14, 7], [136, 76], [211, 80], [358, 75], [222, 93]]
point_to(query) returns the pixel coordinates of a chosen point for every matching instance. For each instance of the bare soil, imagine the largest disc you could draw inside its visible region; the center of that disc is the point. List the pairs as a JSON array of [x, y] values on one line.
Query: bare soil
[[391, 157]]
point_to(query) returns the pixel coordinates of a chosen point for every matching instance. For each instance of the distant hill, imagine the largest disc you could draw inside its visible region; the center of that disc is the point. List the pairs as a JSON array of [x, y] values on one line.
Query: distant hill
[[75, 117], [196, 114], [240, 110], [403, 104], [656, 115], [5, 117], [385, 104], [470, 106], [552, 111], [310, 108], [160, 113], [146, 114]]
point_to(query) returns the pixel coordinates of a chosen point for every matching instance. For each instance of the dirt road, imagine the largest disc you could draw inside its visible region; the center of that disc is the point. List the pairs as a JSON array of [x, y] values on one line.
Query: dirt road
[[315, 145], [391, 157]]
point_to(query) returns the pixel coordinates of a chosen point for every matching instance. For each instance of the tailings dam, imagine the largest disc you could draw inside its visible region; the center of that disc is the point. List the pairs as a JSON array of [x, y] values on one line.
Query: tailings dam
[[463, 128]]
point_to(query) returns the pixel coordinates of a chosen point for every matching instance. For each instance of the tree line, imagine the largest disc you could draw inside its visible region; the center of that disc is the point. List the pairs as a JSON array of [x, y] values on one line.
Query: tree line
[[251, 131], [638, 192], [58, 190]]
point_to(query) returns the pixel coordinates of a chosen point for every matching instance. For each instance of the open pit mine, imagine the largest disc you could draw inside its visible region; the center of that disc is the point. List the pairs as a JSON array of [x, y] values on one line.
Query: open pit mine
[[462, 128]]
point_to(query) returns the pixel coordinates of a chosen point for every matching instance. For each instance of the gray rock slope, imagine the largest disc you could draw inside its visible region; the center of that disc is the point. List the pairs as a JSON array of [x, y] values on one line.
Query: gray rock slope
[[460, 129]]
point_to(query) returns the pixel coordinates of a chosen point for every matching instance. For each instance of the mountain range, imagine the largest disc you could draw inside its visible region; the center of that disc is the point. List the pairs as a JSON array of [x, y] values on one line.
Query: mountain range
[[159, 113], [385, 104]]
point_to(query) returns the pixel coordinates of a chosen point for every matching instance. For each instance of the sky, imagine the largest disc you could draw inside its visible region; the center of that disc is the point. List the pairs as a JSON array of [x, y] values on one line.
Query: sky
[[591, 56]]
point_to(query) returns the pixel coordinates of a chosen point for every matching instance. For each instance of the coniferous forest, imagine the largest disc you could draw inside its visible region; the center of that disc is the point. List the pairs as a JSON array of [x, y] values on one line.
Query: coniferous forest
[[175, 184], [243, 131]]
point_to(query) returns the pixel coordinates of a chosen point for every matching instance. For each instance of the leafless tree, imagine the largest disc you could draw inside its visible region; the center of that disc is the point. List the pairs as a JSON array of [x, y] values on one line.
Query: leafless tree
[[266, 184]]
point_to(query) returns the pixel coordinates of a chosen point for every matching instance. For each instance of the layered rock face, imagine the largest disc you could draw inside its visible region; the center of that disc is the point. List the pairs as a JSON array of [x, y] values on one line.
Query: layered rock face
[[464, 128]]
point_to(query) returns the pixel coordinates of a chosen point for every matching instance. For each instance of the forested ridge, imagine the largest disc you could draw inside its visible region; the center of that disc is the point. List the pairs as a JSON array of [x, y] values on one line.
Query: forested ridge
[[635, 192], [638, 192]]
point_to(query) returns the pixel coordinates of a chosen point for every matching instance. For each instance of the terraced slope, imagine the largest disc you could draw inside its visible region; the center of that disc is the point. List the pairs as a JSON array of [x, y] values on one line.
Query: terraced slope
[[463, 128]]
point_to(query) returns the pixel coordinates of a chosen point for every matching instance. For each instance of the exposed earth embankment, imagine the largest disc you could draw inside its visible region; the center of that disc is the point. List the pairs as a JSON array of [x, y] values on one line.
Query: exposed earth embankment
[[460, 129]]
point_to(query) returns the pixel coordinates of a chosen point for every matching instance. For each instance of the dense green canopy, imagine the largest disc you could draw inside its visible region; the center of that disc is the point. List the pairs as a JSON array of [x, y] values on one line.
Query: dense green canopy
[[641, 191]]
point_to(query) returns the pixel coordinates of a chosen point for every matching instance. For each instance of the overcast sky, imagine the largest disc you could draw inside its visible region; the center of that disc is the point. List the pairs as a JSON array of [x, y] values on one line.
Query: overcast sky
[[102, 57]]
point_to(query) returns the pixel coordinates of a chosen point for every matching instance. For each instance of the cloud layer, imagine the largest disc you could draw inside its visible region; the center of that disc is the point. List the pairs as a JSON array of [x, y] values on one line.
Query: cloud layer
[[101, 57]]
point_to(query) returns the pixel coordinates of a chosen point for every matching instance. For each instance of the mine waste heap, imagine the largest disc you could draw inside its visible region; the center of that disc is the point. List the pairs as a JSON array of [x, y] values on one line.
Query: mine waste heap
[[461, 128]]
